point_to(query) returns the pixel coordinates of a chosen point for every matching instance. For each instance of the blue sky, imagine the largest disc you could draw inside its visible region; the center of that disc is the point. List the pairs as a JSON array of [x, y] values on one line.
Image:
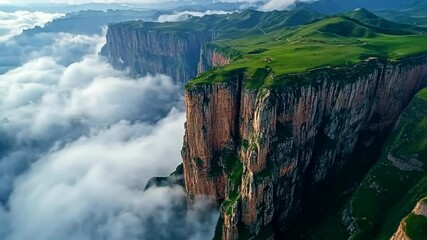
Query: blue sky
[[84, 1], [115, 1], [268, 6]]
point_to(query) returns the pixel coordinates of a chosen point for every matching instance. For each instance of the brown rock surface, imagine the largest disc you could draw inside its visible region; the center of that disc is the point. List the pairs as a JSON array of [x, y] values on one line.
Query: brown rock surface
[[148, 51], [288, 138], [420, 209]]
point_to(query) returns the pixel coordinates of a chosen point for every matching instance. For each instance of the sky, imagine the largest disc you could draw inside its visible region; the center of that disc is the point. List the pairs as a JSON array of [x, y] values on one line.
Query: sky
[[85, 1], [268, 5]]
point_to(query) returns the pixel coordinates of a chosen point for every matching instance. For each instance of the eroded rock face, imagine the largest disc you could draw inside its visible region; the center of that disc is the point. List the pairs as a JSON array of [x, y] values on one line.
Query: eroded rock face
[[400, 233], [420, 209], [211, 58], [287, 138], [210, 131], [174, 54]]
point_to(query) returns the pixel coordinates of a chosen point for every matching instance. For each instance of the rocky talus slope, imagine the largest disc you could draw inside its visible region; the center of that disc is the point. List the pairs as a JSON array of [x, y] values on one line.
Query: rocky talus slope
[[261, 152]]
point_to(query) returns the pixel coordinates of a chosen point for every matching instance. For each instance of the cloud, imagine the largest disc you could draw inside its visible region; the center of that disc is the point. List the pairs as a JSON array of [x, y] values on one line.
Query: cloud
[[43, 102], [92, 188], [276, 5], [280, 4], [183, 16], [12, 24], [63, 48], [269, 5], [79, 141], [266, 5], [75, 2]]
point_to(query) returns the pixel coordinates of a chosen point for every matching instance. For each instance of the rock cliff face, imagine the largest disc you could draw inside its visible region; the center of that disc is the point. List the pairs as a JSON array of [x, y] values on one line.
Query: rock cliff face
[[211, 58], [143, 51], [420, 211], [260, 152]]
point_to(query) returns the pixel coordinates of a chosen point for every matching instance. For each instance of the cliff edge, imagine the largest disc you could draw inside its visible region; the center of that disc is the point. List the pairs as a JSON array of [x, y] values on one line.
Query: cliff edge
[[261, 151]]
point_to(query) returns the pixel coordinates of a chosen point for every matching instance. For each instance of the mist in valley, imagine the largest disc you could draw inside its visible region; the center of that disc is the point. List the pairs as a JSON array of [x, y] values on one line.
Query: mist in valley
[[80, 140]]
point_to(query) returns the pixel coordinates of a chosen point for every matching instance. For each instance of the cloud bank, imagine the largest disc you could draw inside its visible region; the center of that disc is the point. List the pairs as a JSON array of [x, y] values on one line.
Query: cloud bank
[[12, 24], [269, 5], [183, 16], [79, 141], [62, 47], [280, 4]]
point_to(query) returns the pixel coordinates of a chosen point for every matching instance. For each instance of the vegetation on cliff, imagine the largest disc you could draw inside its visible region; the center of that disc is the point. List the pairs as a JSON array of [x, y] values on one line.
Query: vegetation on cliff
[[391, 188], [265, 49], [416, 226], [177, 49]]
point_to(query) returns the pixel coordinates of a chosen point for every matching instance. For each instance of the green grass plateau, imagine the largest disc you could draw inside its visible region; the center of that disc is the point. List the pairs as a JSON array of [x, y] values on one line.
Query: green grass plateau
[[266, 58], [268, 46]]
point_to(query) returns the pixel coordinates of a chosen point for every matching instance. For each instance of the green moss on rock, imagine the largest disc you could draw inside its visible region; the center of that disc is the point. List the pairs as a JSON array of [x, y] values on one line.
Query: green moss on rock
[[416, 226]]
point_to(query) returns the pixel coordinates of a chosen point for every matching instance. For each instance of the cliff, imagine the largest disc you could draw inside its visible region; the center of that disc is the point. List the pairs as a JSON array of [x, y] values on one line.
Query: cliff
[[413, 226], [278, 111], [398, 179], [215, 55], [183, 50], [262, 151], [146, 50]]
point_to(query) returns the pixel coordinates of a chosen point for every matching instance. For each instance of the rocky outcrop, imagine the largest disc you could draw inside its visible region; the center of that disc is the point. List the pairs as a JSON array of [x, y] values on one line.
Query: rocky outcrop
[[175, 178], [400, 233], [211, 58], [144, 50], [420, 210], [258, 151]]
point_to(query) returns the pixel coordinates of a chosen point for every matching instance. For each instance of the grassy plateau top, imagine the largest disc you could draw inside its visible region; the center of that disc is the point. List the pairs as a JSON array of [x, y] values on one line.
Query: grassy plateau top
[[266, 47]]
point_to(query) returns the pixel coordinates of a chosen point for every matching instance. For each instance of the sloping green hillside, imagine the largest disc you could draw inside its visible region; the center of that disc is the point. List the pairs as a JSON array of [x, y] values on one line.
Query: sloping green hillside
[[392, 187], [416, 14], [415, 225], [279, 43], [382, 24], [235, 25], [332, 41]]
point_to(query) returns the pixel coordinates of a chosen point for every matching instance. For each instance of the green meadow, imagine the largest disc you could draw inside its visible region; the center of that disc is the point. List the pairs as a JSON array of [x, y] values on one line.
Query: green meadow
[[332, 41]]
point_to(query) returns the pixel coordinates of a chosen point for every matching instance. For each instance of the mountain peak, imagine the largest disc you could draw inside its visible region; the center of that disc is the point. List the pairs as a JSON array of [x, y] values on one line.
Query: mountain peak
[[362, 13]]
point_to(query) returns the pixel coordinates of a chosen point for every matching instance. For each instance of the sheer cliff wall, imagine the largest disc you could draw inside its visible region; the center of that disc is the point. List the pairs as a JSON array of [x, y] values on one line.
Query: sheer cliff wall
[[259, 150]]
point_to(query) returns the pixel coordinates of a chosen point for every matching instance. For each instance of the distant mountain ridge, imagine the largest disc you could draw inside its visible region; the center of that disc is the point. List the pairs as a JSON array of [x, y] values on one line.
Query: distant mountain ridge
[[92, 21], [178, 49], [336, 6]]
